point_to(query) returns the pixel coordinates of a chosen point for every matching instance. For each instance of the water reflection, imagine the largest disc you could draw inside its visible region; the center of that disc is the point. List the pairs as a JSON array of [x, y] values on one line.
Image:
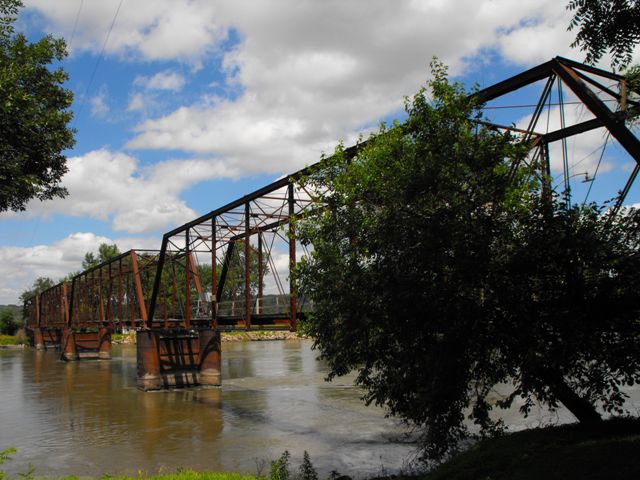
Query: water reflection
[[88, 418]]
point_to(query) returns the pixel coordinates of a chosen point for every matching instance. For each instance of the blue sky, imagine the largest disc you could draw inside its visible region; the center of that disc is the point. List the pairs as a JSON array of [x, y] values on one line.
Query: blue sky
[[185, 105]]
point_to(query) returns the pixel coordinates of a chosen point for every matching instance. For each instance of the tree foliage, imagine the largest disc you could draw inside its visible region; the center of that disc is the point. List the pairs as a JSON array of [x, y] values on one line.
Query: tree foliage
[[39, 285], [8, 325], [438, 273], [606, 25], [105, 253], [34, 115]]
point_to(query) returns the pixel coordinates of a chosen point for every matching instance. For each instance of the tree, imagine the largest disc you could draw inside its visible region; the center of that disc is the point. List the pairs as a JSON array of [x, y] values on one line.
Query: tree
[[34, 115], [438, 272], [606, 25], [105, 253], [40, 284], [8, 325]]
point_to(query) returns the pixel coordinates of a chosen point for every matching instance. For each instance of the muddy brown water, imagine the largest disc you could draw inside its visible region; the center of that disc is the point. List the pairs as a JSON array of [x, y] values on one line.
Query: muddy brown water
[[87, 418]]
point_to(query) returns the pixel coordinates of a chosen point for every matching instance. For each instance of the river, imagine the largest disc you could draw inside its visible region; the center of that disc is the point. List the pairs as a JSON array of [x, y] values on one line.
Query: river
[[87, 418]]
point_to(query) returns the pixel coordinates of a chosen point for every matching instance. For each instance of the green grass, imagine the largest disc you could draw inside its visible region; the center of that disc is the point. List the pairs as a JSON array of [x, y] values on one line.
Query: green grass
[[184, 475], [129, 337], [8, 340], [610, 450]]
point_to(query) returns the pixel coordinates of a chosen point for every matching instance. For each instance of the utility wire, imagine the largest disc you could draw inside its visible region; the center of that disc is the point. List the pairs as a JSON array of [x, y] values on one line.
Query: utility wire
[[75, 23], [99, 59], [604, 147]]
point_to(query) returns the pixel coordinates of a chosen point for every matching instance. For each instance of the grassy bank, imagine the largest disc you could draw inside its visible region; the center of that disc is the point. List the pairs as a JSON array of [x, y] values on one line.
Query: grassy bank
[[606, 451], [8, 340], [185, 475], [567, 452], [14, 340]]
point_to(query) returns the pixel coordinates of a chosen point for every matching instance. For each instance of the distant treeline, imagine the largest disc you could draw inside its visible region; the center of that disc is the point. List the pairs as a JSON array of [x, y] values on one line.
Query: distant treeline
[[15, 309]]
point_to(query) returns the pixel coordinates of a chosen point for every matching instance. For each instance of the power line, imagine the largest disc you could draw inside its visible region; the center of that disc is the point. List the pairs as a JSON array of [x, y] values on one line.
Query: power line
[[99, 59], [75, 23]]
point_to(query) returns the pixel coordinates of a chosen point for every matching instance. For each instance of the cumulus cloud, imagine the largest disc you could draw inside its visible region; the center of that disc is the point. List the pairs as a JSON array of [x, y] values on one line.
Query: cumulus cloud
[[166, 80], [309, 73], [22, 265], [158, 30], [319, 73], [99, 105], [113, 187], [136, 102]]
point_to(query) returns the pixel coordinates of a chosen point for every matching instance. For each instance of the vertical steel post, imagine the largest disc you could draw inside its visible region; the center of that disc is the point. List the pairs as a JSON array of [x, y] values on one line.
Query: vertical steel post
[[545, 170], [101, 318], [120, 295], [138, 285], [260, 273], [247, 265], [187, 301], [109, 302], [293, 321], [214, 274], [38, 339]]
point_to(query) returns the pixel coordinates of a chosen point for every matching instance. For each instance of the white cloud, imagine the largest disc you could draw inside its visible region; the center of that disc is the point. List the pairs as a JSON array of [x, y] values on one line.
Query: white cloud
[[315, 73], [158, 30], [136, 102], [113, 187], [166, 80], [310, 73], [99, 105], [22, 265]]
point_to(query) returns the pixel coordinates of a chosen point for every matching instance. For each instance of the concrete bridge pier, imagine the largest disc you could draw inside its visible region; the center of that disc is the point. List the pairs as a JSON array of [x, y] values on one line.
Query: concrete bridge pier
[[38, 339], [148, 360], [68, 345], [177, 358], [210, 356], [104, 343]]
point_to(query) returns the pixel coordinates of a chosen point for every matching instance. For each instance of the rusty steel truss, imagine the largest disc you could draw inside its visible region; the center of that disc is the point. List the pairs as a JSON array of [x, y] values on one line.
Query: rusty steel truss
[[211, 273]]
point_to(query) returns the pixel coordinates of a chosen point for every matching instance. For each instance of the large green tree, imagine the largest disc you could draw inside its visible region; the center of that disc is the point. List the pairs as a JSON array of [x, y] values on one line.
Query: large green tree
[[606, 26], [34, 115], [438, 273]]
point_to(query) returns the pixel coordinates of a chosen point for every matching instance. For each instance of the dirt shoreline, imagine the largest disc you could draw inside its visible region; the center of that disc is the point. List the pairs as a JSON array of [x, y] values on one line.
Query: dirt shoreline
[[258, 336]]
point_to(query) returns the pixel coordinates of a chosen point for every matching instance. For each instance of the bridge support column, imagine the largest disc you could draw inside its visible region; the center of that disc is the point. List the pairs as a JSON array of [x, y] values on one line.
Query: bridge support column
[[69, 349], [209, 368], [38, 339], [104, 343], [148, 353]]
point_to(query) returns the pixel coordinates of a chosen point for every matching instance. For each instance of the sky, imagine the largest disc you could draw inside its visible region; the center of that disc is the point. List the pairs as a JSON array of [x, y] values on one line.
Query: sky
[[183, 105]]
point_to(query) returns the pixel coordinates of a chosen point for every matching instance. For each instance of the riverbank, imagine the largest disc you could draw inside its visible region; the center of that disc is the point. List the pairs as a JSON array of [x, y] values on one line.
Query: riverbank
[[567, 452], [13, 342], [129, 338]]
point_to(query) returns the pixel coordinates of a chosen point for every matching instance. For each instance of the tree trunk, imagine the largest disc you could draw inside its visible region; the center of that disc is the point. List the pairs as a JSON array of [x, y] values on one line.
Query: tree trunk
[[583, 410]]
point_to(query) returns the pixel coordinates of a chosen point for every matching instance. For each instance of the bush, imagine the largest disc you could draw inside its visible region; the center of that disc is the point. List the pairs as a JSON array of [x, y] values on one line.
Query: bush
[[8, 326]]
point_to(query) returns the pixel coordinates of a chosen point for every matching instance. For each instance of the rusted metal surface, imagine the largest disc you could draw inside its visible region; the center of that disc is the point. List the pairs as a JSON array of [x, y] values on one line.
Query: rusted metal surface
[[113, 294]]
